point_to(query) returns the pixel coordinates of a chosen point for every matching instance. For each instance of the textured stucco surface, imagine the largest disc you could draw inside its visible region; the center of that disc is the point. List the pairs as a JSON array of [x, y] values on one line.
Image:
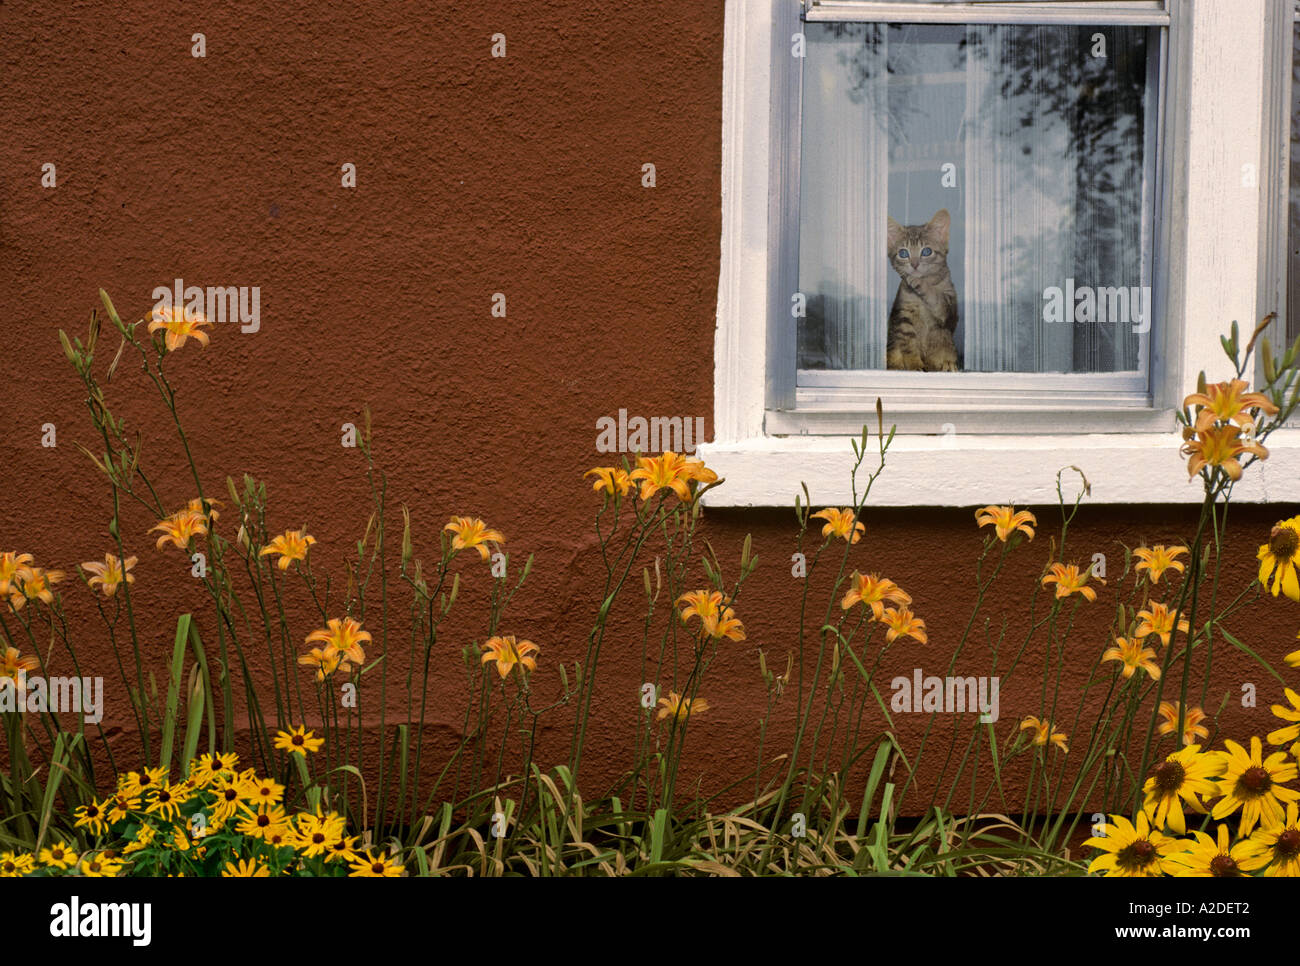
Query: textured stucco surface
[[475, 175]]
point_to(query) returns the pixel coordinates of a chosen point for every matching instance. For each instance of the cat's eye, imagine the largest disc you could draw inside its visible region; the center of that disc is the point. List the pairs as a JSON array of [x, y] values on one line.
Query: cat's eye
[[924, 252], [902, 253]]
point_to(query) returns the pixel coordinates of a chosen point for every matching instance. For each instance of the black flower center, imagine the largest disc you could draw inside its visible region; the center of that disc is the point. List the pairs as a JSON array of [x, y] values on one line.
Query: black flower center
[[1288, 843], [1169, 776], [377, 868], [1136, 855], [317, 838], [1283, 542], [1255, 780], [1223, 867]]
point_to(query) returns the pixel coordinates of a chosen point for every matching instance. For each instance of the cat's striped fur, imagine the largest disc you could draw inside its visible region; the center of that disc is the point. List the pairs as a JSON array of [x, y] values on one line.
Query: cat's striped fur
[[924, 316]]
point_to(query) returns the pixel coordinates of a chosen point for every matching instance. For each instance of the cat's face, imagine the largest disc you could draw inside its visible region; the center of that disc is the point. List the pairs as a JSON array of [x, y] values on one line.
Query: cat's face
[[918, 252]]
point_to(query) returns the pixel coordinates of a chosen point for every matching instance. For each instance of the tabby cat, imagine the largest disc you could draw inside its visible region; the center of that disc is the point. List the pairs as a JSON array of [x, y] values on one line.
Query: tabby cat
[[924, 316]]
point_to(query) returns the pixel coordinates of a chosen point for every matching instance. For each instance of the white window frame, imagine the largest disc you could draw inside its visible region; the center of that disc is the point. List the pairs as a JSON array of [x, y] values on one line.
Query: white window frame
[[1220, 115]]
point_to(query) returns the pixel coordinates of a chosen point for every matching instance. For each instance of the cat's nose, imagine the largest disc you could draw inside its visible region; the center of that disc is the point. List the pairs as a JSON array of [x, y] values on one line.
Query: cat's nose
[[915, 263]]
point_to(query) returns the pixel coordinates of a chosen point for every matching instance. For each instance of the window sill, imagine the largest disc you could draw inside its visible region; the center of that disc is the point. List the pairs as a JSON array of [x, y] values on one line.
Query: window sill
[[972, 470]]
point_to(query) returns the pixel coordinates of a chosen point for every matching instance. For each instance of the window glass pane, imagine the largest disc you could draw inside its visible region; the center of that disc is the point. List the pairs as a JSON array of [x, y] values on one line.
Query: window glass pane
[[998, 175]]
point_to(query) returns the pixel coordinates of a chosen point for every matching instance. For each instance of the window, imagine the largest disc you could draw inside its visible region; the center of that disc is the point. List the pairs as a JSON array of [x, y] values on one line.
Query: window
[[1134, 185]]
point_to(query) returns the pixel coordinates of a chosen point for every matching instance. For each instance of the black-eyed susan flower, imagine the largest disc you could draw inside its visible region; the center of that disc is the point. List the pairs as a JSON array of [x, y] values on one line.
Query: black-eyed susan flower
[[509, 654], [668, 471], [207, 767], [680, 708], [166, 800], [91, 816], [299, 741], [371, 866], [1044, 732], [291, 545], [100, 866], [228, 795], [1069, 581], [261, 822], [1205, 857], [1133, 850], [471, 532], [314, 833], [344, 636], [1192, 727], [1293, 659], [1218, 446], [842, 523], [342, 849], [58, 856], [261, 791], [872, 591], [1006, 520], [179, 325], [610, 480], [110, 574], [13, 865], [144, 837], [1158, 619], [1279, 559], [1183, 776], [1292, 714], [1133, 656], [119, 806], [1228, 402], [245, 869], [136, 783], [12, 567], [901, 622], [1158, 559], [1254, 784], [1278, 845]]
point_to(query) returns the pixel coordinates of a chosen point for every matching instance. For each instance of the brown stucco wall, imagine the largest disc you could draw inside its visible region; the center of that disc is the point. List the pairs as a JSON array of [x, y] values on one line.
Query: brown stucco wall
[[475, 175]]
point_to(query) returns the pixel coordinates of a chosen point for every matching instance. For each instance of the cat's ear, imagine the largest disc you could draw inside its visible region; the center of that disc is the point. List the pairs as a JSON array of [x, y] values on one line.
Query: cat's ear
[[939, 225], [895, 235]]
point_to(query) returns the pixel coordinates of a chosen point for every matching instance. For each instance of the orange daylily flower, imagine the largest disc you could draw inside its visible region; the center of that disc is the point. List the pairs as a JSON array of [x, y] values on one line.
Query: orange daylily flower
[[610, 479], [326, 660], [291, 545], [1228, 402], [699, 603], [1006, 520], [12, 566], [1158, 619], [34, 584], [678, 707], [109, 574], [1044, 733], [873, 591], [473, 532], [840, 523], [1130, 652], [1192, 727], [344, 636], [1069, 581], [12, 661], [510, 654], [1218, 446], [180, 326], [901, 622], [1156, 560], [668, 471]]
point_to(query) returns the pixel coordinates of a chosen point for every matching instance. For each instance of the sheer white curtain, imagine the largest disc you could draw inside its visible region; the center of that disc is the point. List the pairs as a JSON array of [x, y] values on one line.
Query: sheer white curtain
[[1046, 143]]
